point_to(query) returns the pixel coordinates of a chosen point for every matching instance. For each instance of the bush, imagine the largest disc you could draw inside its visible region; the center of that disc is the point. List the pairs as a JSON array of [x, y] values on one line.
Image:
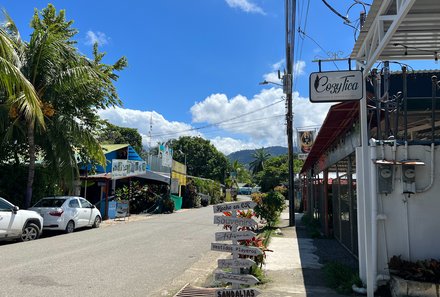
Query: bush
[[168, 205], [270, 207], [341, 277]]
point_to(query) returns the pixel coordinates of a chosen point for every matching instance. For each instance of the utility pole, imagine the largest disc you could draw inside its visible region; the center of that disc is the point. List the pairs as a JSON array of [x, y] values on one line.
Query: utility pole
[[287, 86]]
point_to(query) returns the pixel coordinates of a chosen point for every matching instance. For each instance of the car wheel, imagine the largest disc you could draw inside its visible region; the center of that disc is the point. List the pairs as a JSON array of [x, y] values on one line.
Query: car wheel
[[70, 227], [97, 222], [30, 232]]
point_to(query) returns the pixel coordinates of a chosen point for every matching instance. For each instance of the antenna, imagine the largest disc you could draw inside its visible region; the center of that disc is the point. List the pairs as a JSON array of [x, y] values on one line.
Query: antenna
[[151, 129]]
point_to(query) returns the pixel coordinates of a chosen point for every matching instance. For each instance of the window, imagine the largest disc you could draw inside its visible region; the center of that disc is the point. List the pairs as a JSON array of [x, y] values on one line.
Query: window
[[74, 203], [85, 203], [5, 206], [50, 202]]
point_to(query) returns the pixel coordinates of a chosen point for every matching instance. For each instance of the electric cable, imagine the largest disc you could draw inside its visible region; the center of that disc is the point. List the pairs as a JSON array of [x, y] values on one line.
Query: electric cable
[[220, 122]]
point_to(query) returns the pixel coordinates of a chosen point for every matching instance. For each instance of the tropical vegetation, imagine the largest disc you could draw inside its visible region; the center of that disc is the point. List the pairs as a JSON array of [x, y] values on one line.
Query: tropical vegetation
[[49, 96]]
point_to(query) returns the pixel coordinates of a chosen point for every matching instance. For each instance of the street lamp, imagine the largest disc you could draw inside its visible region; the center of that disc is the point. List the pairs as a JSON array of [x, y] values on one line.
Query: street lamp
[[265, 82]]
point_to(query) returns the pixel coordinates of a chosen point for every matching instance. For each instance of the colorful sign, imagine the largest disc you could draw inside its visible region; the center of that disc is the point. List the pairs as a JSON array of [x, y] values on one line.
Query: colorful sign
[[241, 235], [166, 155], [224, 220], [234, 206], [334, 86], [305, 141], [121, 167], [235, 263], [234, 248]]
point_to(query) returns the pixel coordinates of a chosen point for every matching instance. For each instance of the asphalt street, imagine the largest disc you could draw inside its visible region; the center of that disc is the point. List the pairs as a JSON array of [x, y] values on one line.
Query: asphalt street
[[151, 257]]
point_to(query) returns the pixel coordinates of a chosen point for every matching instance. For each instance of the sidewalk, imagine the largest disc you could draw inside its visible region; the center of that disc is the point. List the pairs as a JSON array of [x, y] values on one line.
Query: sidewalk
[[294, 269]]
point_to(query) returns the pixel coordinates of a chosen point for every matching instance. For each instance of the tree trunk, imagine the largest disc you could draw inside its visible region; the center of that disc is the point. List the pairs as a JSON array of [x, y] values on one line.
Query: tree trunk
[[31, 172]]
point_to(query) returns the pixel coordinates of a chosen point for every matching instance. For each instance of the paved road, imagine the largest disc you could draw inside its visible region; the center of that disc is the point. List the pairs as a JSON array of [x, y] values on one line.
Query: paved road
[[152, 257]]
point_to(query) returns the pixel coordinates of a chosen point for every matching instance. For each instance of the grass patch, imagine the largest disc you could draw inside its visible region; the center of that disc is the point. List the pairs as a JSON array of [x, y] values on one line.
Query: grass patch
[[259, 273], [341, 277]]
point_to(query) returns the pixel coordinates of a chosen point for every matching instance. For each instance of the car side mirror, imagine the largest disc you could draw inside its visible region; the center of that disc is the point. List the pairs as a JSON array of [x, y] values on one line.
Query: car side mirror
[[15, 209]]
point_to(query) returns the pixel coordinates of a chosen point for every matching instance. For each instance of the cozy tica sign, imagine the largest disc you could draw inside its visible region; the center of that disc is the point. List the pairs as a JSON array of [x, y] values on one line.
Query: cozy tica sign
[[334, 86]]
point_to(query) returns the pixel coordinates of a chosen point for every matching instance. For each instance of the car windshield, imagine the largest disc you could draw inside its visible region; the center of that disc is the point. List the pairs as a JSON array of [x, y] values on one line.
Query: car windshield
[[50, 202]]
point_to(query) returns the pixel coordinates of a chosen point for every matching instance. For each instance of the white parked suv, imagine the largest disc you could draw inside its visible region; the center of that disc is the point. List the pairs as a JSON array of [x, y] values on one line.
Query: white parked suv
[[15, 223]]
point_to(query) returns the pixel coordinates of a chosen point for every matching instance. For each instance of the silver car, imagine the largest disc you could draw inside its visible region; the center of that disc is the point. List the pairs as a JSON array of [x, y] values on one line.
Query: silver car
[[67, 213]]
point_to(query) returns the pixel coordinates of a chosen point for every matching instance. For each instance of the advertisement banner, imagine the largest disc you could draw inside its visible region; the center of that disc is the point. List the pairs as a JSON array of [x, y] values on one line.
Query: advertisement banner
[[166, 155], [127, 167], [305, 141]]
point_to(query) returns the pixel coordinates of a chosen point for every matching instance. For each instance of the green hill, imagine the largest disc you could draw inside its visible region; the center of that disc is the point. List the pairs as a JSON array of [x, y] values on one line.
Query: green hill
[[245, 156]]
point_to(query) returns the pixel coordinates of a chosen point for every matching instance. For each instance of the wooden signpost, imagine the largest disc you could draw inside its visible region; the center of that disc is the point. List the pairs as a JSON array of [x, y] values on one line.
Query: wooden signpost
[[242, 235], [250, 292], [236, 249]]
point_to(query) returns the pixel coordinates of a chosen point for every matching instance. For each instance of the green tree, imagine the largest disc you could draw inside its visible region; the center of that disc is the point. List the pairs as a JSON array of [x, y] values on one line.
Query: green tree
[[112, 134], [202, 158], [260, 157], [243, 175], [69, 89]]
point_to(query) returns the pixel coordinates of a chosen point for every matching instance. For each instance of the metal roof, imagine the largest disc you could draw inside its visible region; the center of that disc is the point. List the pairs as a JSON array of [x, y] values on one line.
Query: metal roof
[[399, 30], [339, 120]]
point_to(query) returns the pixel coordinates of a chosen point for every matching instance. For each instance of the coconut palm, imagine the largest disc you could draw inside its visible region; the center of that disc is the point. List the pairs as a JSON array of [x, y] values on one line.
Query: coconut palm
[[260, 157], [69, 88]]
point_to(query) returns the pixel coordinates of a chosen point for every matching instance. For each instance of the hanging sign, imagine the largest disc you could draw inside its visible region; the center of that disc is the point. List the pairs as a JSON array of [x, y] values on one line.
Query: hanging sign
[[240, 235], [245, 279], [234, 206], [239, 249], [238, 292], [335, 86], [235, 263], [225, 220]]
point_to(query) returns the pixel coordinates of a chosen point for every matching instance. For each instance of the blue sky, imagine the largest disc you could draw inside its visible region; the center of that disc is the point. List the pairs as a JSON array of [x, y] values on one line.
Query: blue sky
[[196, 63]]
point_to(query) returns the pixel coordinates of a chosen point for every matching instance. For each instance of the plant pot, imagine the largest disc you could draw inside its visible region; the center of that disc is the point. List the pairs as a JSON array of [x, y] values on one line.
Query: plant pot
[[401, 287]]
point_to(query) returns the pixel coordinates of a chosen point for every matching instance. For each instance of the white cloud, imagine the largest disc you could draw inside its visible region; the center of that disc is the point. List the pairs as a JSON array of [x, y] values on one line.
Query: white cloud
[[162, 129], [99, 37], [263, 128], [228, 145], [246, 6]]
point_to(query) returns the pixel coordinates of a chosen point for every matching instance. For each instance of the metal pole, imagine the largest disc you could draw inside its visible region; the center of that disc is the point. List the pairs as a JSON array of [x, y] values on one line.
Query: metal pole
[[287, 83]]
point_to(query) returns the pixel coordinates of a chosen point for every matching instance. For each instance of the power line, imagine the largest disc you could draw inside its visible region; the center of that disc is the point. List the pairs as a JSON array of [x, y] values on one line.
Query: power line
[[217, 123]]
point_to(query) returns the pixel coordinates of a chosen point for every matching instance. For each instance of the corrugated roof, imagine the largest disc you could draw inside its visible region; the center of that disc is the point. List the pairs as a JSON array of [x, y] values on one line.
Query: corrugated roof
[[108, 148], [415, 37]]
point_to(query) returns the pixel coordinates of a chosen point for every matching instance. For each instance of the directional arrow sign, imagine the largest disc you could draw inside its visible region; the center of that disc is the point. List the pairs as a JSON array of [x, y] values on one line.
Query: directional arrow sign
[[240, 249], [234, 206], [224, 220], [238, 292], [246, 279], [243, 235], [235, 263]]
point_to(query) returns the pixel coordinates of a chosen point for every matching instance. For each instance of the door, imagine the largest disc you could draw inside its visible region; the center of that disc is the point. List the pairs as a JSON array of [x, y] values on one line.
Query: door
[[7, 228], [85, 212]]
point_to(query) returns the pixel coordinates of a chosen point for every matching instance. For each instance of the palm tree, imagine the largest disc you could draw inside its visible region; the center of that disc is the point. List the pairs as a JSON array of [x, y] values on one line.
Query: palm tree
[[260, 157], [69, 88]]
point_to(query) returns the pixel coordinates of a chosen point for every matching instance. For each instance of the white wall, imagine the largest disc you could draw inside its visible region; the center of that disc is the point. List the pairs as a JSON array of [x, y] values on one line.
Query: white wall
[[412, 225]]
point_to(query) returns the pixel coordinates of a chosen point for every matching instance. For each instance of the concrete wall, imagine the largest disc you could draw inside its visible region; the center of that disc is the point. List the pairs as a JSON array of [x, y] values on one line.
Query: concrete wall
[[412, 222]]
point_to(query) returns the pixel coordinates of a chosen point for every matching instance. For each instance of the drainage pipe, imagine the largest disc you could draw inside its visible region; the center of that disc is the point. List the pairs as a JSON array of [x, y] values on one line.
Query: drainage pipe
[[373, 187]]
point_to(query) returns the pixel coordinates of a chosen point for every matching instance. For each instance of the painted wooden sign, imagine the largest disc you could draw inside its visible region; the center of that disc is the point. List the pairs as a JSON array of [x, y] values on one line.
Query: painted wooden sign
[[235, 263], [237, 293], [245, 279], [225, 220], [241, 235], [239, 249], [234, 206]]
